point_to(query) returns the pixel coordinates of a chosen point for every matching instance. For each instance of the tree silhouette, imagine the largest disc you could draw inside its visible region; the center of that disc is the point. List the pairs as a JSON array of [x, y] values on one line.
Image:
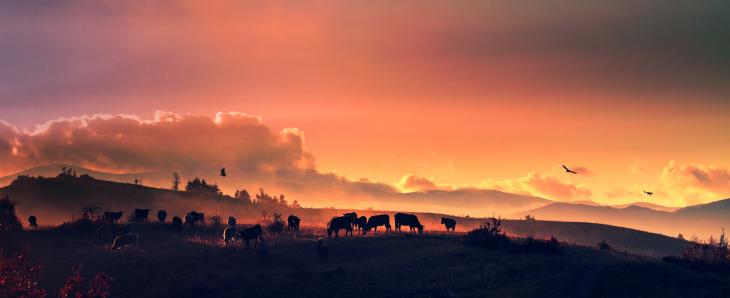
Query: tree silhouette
[[8, 219], [200, 186], [175, 181]]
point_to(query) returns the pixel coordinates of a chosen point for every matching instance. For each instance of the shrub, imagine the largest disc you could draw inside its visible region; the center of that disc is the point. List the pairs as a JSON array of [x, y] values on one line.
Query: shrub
[[489, 235], [8, 219], [216, 220], [74, 287], [18, 277], [531, 245], [603, 245]]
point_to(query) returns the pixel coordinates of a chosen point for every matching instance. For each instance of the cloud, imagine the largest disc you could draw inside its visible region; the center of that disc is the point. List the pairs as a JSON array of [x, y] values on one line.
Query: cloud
[[540, 185], [122, 143], [414, 183], [696, 183]]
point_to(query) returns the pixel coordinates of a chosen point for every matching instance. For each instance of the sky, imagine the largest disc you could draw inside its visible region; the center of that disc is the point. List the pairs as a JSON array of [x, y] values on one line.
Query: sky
[[417, 95]]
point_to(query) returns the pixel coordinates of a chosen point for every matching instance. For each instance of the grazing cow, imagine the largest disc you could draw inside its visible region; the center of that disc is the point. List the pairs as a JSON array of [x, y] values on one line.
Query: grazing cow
[[404, 219], [161, 216], [33, 221], [193, 218], [378, 220], [231, 221], [339, 223], [323, 249], [352, 216], [177, 224], [252, 233], [360, 223], [125, 240], [141, 215], [450, 223], [292, 223], [112, 217], [229, 233]]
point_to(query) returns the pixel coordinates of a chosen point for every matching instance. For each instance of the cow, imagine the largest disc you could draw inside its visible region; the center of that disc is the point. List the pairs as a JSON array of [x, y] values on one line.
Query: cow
[[193, 218], [228, 234], [449, 223], [252, 233], [125, 240], [404, 219], [360, 223], [112, 217], [141, 215], [33, 221], [177, 224], [292, 222], [378, 220], [161, 216], [339, 223], [231, 221]]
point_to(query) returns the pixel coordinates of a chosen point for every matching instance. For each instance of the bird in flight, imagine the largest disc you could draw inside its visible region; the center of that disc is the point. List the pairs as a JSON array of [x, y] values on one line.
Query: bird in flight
[[223, 172], [569, 170], [648, 193]]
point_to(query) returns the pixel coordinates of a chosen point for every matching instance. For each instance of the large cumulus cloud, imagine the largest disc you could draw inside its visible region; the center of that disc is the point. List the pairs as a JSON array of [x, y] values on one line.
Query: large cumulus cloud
[[696, 183], [545, 185], [122, 143]]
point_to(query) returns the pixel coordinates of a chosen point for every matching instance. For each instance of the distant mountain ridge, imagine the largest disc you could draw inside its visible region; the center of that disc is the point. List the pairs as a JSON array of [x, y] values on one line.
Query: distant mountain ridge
[[701, 220], [53, 170]]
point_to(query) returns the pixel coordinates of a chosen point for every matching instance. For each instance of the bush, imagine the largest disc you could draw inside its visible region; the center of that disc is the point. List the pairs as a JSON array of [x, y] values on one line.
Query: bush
[[603, 245], [8, 219], [489, 235], [216, 220], [74, 287], [17, 277], [531, 245]]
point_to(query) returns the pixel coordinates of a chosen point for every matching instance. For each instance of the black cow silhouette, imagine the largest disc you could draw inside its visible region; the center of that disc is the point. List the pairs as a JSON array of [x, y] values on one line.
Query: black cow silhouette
[[121, 241], [378, 220], [141, 215], [112, 217], [449, 223], [339, 223], [360, 223], [229, 233], [231, 221], [177, 224], [252, 233], [161, 216], [33, 221], [410, 220], [193, 218], [293, 222]]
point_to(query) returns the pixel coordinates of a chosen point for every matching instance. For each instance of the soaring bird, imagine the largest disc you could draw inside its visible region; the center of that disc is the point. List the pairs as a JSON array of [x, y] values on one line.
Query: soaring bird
[[648, 193], [223, 172], [569, 170]]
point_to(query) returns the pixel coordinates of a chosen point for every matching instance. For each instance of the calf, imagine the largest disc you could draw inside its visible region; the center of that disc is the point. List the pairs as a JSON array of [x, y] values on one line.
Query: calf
[[112, 217], [161, 216], [360, 224], [378, 220], [252, 233], [292, 222], [404, 219], [449, 223], [339, 223], [231, 221], [125, 240], [141, 215], [33, 221], [177, 224], [228, 234]]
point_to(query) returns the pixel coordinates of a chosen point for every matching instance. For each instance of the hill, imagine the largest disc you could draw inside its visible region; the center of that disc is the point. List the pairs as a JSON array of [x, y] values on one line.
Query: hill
[[54, 169], [700, 220], [59, 199], [197, 264]]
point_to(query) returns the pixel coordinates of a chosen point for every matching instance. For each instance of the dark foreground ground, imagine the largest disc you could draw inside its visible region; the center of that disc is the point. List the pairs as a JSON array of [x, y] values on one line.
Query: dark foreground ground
[[196, 264]]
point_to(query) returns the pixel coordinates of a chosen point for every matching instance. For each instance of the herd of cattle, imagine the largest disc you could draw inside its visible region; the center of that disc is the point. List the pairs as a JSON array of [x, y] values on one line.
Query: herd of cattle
[[349, 222]]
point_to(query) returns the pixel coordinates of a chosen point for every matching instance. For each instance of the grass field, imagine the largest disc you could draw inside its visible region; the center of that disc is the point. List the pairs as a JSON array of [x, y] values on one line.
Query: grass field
[[197, 264]]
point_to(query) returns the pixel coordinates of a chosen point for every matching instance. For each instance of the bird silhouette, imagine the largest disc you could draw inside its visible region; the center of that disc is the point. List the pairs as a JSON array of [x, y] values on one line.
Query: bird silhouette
[[648, 193], [223, 172], [569, 170]]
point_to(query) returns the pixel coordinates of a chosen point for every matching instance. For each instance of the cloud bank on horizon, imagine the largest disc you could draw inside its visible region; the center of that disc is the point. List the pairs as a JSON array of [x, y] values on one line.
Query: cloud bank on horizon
[[199, 145]]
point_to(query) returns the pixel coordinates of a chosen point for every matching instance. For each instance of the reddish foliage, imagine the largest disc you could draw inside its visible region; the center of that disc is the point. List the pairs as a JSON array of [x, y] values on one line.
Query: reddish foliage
[[17, 277], [75, 287]]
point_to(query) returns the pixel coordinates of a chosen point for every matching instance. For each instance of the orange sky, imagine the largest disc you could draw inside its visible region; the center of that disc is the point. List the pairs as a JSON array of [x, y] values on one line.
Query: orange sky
[[464, 93]]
